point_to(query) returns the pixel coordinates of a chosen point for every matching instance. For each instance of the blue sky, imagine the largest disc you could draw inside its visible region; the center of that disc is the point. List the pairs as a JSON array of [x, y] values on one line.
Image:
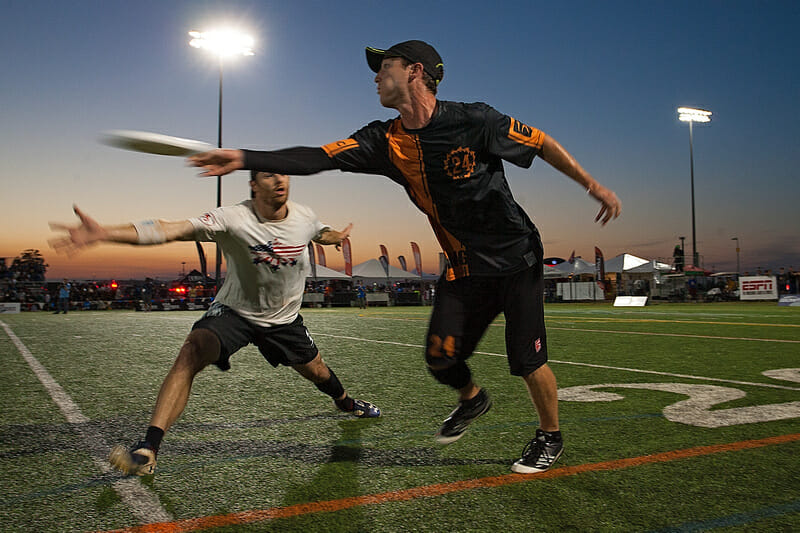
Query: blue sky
[[603, 78]]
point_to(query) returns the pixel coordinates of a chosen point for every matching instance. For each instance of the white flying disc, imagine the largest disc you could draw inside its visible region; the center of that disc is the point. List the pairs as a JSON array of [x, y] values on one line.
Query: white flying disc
[[154, 143]]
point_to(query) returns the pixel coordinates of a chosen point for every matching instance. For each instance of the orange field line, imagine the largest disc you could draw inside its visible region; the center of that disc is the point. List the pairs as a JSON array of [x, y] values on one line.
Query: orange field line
[[247, 517]]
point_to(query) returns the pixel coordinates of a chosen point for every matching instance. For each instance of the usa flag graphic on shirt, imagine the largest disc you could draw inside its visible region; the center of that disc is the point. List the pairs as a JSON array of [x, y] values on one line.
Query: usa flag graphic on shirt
[[275, 254]]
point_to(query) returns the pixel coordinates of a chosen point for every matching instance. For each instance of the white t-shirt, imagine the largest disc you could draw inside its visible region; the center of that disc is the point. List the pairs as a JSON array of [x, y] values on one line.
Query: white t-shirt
[[267, 261]]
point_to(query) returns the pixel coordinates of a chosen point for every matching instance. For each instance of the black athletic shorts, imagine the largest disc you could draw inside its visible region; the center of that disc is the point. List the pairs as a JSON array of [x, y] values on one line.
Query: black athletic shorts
[[288, 344], [464, 308]]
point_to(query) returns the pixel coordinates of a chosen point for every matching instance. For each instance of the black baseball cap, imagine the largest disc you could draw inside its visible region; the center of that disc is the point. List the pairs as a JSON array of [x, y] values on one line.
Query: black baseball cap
[[414, 51]]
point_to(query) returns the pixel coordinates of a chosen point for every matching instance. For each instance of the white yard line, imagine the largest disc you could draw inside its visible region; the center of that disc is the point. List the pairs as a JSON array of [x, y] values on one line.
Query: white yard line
[[142, 503], [592, 330], [624, 369]]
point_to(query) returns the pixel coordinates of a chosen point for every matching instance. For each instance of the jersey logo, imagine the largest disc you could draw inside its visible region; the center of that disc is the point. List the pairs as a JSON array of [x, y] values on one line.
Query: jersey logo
[[460, 163], [275, 254], [524, 134], [207, 219], [335, 148]]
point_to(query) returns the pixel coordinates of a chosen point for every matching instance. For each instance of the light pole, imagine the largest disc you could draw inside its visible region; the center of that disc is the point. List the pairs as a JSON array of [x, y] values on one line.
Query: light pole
[[223, 44], [737, 252], [691, 115]]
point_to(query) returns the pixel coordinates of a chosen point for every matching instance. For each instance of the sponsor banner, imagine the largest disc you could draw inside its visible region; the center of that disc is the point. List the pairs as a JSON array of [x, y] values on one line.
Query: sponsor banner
[[599, 268], [417, 258], [790, 300], [758, 288], [348, 257], [321, 256], [444, 264], [201, 254], [9, 308], [402, 260], [384, 259]]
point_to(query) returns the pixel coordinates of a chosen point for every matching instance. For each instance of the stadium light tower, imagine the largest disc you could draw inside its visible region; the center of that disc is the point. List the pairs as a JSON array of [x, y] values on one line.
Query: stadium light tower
[[737, 252], [224, 44], [691, 115]]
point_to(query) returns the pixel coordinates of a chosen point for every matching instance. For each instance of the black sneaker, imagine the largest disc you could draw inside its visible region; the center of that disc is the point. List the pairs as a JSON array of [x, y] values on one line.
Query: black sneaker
[[538, 455], [361, 409], [140, 460], [467, 411]]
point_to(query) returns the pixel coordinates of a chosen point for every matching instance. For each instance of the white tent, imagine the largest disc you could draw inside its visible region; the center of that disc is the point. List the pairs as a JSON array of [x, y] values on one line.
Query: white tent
[[650, 267], [327, 273], [580, 266], [623, 263], [373, 272]]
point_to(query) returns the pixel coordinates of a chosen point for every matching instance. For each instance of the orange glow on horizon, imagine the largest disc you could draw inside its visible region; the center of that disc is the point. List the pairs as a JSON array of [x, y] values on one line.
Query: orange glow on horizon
[[167, 262]]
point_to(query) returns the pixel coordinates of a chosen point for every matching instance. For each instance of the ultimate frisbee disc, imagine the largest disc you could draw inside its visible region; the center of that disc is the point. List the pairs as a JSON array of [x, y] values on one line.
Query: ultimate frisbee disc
[[154, 143]]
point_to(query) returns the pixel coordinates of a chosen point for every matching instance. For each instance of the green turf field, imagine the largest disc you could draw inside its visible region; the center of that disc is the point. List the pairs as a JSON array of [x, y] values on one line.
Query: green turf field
[[702, 431]]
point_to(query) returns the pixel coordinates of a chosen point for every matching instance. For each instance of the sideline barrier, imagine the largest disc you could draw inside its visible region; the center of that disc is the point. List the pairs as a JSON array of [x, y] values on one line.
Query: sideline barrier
[[630, 301], [9, 308], [790, 300]]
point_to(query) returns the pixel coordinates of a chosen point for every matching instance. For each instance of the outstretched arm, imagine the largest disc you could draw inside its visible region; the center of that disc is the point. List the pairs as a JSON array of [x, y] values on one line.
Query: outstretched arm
[[90, 232], [329, 236], [561, 160], [297, 161]]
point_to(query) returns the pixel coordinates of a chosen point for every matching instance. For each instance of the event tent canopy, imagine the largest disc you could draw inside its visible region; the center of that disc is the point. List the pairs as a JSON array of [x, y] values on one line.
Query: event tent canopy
[[327, 273], [650, 267], [373, 271], [579, 266], [623, 263]]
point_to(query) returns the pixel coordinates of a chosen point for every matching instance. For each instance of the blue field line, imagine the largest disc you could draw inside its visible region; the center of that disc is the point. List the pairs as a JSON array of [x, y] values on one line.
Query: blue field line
[[738, 519]]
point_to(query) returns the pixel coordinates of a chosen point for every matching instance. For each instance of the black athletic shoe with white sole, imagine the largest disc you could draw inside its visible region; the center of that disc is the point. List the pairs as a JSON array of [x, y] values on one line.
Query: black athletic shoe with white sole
[[467, 411], [361, 409], [539, 454]]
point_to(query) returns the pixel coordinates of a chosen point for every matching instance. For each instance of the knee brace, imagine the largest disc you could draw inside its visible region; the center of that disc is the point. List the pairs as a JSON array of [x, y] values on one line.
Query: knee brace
[[456, 376]]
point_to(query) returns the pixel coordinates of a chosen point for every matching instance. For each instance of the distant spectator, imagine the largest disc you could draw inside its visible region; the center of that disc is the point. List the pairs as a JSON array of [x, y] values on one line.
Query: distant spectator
[[63, 297]]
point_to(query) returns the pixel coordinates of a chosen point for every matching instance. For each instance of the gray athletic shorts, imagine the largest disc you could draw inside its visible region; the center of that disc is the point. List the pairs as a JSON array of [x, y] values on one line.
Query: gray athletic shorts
[[288, 344]]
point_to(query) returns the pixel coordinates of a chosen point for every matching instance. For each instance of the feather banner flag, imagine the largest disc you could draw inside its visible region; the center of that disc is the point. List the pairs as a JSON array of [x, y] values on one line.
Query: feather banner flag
[[312, 260], [417, 258], [348, 257], [201, 254], [599, 268], [321, 256], [384, 259]]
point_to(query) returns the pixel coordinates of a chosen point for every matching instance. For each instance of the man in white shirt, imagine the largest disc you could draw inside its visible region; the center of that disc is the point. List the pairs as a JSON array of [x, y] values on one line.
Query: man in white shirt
[[264, 241]]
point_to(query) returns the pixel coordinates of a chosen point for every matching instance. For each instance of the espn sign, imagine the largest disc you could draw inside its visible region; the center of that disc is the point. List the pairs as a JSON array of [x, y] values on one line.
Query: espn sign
[[758, 288]]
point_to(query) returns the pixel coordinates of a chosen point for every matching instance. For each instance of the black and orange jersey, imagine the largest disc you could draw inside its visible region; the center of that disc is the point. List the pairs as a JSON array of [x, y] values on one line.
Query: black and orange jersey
[[452, 169]]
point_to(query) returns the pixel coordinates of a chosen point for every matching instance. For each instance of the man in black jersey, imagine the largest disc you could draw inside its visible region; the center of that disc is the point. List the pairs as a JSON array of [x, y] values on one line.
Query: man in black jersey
[[449, 158]]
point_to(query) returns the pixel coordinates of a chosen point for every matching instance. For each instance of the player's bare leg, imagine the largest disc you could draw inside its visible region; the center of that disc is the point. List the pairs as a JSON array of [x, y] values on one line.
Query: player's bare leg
[[541, 384], [547, 446], [199, 350]]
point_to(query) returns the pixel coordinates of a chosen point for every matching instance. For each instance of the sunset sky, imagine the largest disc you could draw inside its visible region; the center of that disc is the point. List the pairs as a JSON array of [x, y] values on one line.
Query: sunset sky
[[603, 78]]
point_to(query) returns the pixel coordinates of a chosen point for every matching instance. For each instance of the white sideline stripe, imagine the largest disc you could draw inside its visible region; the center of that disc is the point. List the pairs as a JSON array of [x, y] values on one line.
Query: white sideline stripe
[[142, 503], [714, 337], [624, 369]]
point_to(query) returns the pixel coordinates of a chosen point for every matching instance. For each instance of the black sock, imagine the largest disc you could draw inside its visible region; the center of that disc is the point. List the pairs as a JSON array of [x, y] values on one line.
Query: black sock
[[475, 400], [345, 404], [153, 436], [332, 386], [552, 436]]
